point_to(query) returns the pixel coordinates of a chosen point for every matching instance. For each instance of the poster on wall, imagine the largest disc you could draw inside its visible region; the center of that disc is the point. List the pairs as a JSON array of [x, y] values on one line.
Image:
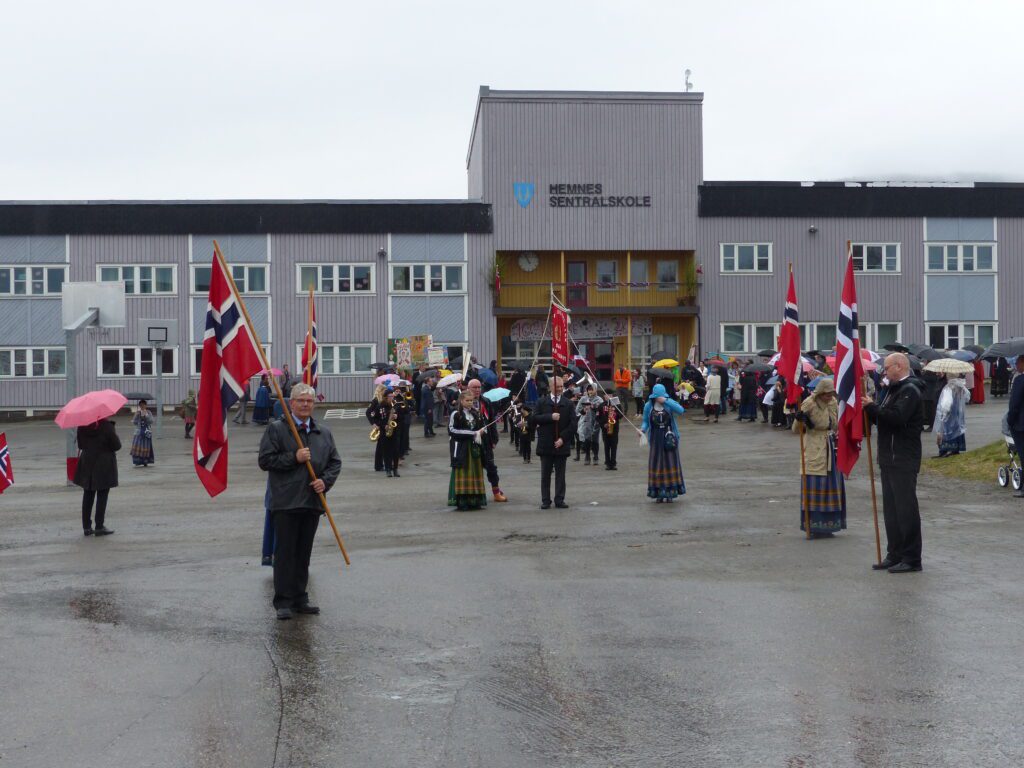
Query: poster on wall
[[409, 351], [436, 357]]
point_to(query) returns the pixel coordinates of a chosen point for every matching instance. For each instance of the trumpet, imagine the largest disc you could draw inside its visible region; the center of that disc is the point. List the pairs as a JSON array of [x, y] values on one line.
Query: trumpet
[[389, 430]]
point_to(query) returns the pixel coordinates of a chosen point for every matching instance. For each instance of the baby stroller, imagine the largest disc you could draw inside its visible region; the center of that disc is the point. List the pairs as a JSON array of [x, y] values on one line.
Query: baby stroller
[[1011, 473]]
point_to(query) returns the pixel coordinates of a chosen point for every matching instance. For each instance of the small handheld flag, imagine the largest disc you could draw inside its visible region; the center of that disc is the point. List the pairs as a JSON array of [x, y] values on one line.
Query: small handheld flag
[[6, 470]]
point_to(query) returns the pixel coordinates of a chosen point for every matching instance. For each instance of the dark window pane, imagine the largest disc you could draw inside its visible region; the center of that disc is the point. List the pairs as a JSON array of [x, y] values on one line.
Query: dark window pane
[[257, 279], [937, 336], [890, 258], [400, 278], [202, 279], [168, 361], [453, 278], [164, 279], [54, 280], [111, 362], [5, 281], [197, 356], [5, 362], [746, 257], [874, 257], [55, 361], [934, 257], [984, 258], [362, 278]]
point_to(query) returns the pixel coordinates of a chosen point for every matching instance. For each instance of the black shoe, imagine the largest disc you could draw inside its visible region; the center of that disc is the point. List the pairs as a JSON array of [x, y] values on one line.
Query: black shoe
[[396, 473], [87, 531], [546, 505], [885, 565], [613, 468], [389, 473], [307, 608], [577, 458], [267, 560], [904, 568], [283, 614], [103, 531], [561, 505]]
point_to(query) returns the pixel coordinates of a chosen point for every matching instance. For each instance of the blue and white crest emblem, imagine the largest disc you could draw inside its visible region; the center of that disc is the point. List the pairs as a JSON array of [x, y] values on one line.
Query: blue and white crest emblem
[[523, 190]]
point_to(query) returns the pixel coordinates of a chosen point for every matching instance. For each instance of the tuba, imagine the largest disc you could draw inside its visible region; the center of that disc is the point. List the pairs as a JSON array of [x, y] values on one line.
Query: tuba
[[609, 428]]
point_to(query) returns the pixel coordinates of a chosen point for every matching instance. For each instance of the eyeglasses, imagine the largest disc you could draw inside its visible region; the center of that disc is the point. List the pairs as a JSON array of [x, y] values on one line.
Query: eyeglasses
[[303, 401]]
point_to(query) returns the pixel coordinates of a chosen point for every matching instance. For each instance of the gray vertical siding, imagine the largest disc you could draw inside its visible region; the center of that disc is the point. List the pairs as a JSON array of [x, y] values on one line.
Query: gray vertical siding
[[236, 248], [33, 249], [963, 230], [819, 262], [428, 248], [442, 316], [30, 321], [482, 326], [960, 297], [1010, 277]]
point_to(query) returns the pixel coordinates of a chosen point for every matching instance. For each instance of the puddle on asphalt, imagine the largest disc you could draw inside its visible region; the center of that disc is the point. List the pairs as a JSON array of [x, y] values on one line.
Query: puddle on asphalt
[[99, 606], [532, 537]]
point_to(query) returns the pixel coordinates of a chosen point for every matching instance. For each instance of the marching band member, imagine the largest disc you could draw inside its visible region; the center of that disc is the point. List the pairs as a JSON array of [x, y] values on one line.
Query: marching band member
[[385, 418], [608, 421]]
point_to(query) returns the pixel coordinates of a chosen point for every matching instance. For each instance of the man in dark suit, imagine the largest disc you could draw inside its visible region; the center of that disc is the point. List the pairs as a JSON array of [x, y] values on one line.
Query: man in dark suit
[[555, 422], [1015, 417]]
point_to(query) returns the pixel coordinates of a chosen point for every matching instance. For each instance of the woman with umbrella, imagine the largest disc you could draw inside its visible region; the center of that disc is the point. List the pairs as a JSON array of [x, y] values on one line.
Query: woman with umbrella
[[96, 472], [822, 493], [466, 489], [1000, 377], [664, 472], [950, 427], [142, 442]]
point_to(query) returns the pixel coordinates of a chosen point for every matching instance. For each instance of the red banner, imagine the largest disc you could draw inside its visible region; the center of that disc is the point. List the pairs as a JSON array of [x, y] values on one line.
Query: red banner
[[559, 335]]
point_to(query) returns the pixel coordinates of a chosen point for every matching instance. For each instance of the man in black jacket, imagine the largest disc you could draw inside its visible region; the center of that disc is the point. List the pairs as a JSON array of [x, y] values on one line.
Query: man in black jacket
[[555, 420], [294, 501], [899, 417], [1015, 416]]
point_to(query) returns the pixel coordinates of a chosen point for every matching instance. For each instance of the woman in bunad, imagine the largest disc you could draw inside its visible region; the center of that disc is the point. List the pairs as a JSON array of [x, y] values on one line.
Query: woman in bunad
[[821, 484], [142, 443], [664, 472], [466, 489]]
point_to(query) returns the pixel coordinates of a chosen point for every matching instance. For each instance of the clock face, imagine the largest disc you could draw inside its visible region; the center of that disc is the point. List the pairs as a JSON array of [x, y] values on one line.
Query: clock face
[[528, 261]]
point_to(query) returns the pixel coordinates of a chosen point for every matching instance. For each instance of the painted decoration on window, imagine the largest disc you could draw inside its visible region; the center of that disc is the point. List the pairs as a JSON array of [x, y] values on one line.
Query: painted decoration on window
[[532, 329]]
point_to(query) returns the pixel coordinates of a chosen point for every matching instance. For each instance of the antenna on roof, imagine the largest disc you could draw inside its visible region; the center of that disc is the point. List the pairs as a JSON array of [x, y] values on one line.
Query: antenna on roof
[[689, 85]]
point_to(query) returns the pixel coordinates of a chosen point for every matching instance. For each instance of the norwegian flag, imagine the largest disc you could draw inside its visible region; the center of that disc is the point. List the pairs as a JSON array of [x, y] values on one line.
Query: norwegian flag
[[6, 470], [849, 375], [310, 349], [230, 358], [790, 362]]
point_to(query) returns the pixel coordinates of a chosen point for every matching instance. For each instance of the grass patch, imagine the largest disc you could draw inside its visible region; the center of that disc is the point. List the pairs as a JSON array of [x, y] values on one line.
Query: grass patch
[[981, 464]]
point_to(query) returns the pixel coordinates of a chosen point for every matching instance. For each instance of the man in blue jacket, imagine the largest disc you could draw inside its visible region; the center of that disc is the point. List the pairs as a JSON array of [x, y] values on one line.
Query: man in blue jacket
[[1015, 417]]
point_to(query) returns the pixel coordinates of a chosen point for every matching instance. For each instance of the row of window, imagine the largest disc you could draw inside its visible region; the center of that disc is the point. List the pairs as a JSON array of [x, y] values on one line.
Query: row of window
[[666, 274], [756, 258], [750, 338]]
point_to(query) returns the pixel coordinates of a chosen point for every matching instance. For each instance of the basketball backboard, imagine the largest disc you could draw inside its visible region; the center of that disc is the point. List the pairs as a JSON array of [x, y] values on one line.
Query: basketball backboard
[[157, 333], [78, 298]]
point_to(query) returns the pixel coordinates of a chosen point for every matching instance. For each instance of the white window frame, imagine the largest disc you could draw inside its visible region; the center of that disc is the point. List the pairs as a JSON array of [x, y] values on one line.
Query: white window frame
[[611, 285], [960, 258], [869, 332], [461, 265], [28, 294], [883, 271], [138, 358], [335, 265], [755, 271], [352, 358], [135, 278], [28, 362], [960, 331], [193, 348], [246, 266]]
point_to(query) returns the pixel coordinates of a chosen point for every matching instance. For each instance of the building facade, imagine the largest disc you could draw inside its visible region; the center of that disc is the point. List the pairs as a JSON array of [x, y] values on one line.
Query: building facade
[[597, 199]]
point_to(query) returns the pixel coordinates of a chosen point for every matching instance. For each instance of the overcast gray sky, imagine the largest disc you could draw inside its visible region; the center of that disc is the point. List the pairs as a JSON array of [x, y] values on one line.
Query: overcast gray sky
[[375, 100]]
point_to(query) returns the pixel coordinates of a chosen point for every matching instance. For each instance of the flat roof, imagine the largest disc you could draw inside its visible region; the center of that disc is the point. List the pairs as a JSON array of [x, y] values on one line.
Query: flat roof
[[229, 217], [861, 199]]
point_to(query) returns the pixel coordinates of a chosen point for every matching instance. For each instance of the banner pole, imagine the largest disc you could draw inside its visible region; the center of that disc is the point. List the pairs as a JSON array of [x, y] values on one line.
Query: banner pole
[[280, 395], [874, 498]]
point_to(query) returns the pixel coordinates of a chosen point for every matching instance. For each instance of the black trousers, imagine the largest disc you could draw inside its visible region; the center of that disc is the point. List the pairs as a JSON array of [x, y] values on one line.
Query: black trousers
[[487, 458], [378, 454], [101, 507], [611, 449], [902, 515], [524, 448], [1018, 440], [547, 463], [389, 450], [295, 530]]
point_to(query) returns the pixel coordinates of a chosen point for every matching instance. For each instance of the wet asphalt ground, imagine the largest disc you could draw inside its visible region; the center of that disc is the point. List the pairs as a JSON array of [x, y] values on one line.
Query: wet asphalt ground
[[622, 633]]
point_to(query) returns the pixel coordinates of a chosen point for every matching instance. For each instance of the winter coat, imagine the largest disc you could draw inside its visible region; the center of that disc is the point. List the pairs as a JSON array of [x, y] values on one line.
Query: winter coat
[[97, 462], [1016, 410], [714, 393], [822, 419], [462, 428], [950, 419], [289, 480], [586, 419], [900, 418], [548, 430]]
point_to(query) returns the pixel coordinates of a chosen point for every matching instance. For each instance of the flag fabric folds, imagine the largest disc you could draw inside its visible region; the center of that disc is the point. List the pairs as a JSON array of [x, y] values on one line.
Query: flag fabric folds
[[6, 470], [230, 358], [790, 362], [849, 376], [559, 335], [310, 349]]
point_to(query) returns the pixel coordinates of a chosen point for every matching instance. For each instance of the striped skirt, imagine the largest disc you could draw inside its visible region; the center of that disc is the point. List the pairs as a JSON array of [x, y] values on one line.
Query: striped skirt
[[466, 489], [664, 473], [826, 501]]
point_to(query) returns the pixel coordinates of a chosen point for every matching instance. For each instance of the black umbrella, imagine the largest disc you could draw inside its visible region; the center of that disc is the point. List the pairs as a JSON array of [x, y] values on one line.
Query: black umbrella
[[766, 353], [379, 365], [660, 355], [925, 352], [1009, 348], [915, 362], [430, 372], [965, 355], [896, 347], [976, 349], [139, 396], [758, 368], [574, 370], [662, 373]]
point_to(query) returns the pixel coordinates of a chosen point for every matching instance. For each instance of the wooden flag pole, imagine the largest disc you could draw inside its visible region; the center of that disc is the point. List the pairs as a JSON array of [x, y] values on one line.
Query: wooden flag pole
[[874, 498], [803, 483], [280, 395]]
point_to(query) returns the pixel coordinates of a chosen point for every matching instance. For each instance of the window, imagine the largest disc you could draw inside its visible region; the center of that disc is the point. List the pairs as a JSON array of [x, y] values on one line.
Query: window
[[875, 336], [765, 336], [135, 361], [427, 278], [734, 338], [960, 335], [961, 257], [826, 337], [336, 278], [249, 278], [341, 359], [196, 355], [607, 274], [638, 273], [668, 275], [32, 281], [876, 257], [34, 362], [747, 257], [644, 347], [142, 280]]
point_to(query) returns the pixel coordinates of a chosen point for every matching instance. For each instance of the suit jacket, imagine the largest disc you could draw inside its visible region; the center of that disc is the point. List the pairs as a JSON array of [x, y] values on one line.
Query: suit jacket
[[549, 430], [1016, 412], [97, 464]]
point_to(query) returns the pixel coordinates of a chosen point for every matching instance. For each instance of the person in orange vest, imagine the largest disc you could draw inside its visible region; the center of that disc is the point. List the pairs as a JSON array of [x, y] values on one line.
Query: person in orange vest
[[623, 378]]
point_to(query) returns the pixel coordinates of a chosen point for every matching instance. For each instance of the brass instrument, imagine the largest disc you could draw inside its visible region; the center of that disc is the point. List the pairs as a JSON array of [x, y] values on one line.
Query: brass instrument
[[374, 433], [389, 430], [609, 428]]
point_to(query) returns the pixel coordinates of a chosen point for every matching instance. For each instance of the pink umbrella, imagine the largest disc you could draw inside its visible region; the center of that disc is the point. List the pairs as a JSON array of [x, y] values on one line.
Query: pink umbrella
[[387, 378], [270, 372], [90, 408], [868, 364]]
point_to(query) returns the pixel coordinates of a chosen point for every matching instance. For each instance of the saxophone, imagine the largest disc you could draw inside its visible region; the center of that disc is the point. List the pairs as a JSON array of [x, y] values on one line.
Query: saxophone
[[609, 428], [389, 430]]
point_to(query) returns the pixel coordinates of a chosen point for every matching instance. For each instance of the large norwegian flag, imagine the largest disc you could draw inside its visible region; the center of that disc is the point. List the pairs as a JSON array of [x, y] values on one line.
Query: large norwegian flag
[[230, 358], [790, 364], [6, 470], [849, 375], [310, 349]]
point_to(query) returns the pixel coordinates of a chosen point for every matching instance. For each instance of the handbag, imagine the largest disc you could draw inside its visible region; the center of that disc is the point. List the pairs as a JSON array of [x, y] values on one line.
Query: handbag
[[148, 434], [670, 440]]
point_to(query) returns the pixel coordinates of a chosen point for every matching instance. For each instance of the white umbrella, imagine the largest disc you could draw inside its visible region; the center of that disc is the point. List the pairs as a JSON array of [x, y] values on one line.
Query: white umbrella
[[949, 365], [452, 378]]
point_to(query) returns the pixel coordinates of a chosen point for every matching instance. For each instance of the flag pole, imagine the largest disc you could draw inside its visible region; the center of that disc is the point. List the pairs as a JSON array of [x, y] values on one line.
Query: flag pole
[[803, 483], [280, 395], [874, 498]]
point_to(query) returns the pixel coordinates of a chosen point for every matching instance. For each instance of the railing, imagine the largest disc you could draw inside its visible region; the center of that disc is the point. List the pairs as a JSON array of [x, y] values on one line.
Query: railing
[[594, 294]]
